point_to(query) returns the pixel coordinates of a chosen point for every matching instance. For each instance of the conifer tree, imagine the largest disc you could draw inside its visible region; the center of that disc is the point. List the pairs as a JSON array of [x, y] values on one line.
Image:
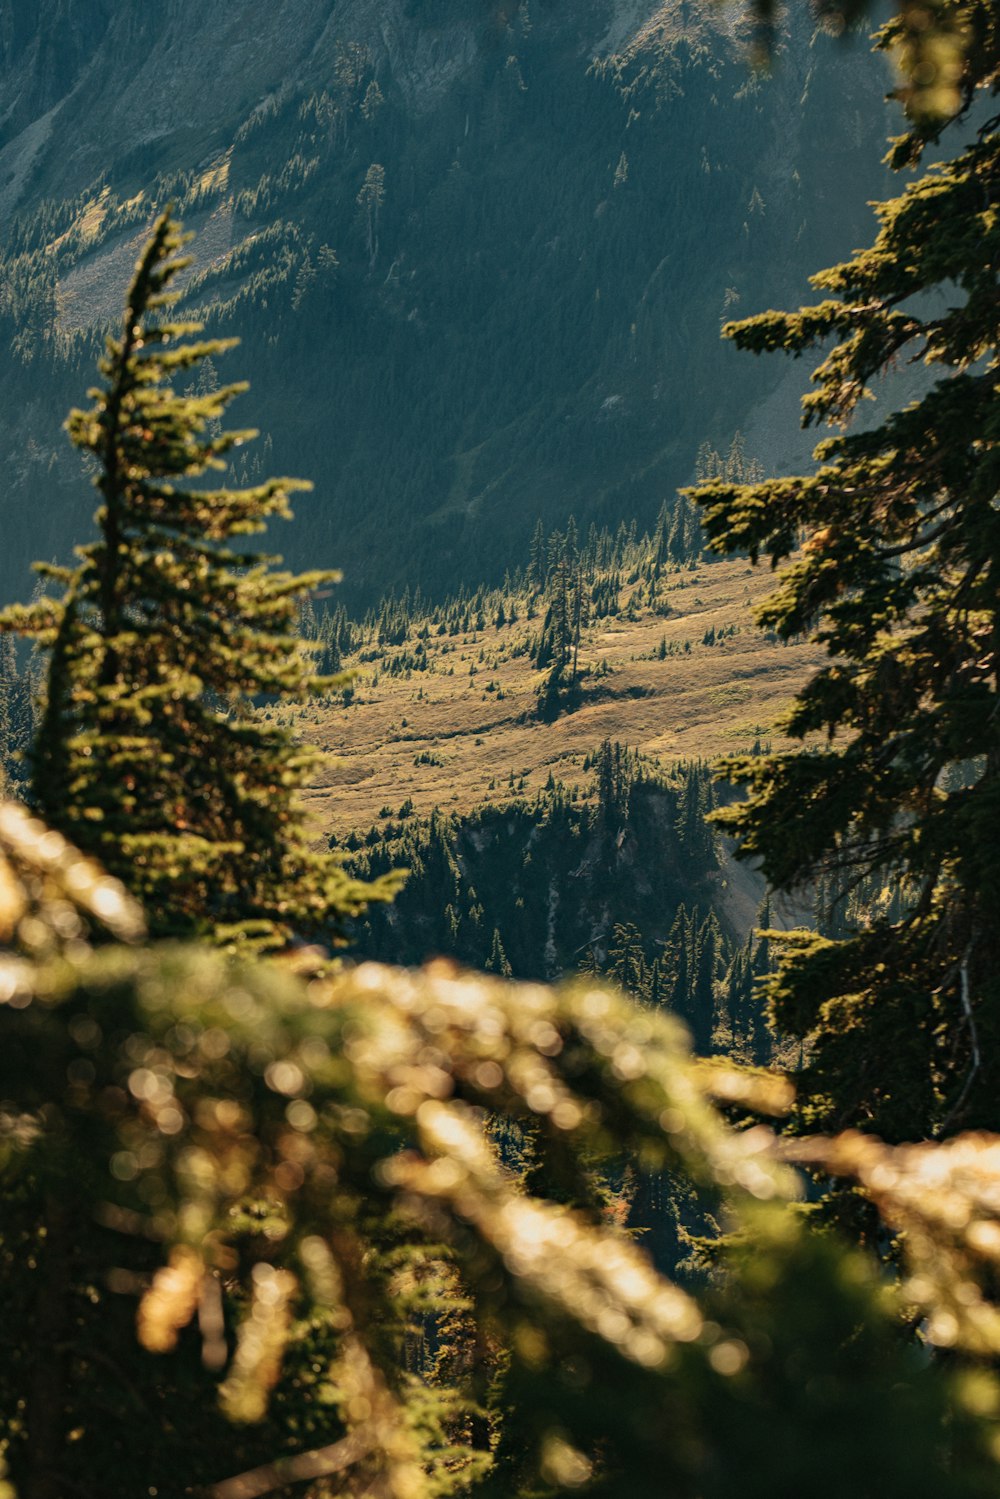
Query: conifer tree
[[8, 679], [656, 986], [899, 578], [536, 559], [680, 943], [762, 950], [627, 959], [371, 199], [739, 997], [497, 962], [567, 616], [149, 755], [706, 966]]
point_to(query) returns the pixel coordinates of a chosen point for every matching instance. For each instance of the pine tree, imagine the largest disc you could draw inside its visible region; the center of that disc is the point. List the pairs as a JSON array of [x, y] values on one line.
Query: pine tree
[[680, 944], [627, 959], [590, 965], [660, 537], [149, 754], [567, 616], [739, 1000], [536, 559], [706, 968], [899, 578], [372, 102], [8, 680], [762, 951], [371, 200], [497, 962], [694, 804]]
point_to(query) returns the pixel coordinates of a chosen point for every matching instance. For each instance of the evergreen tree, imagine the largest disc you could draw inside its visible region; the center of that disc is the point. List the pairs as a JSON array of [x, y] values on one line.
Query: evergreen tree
[[899, 576], [762, 950], [149, 755], [18, 713], [661, 537], [656, 987], [694, 804], [497, 961], [680, 944], [739, 1001], [536, 561], [8, 681], [590, 965], [371, 200], [567, 615], [706, 970], [627, 960]]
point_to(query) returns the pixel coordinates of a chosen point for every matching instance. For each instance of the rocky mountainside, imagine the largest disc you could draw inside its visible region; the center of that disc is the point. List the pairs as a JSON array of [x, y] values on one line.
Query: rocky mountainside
[[478, 252], [88, 82]]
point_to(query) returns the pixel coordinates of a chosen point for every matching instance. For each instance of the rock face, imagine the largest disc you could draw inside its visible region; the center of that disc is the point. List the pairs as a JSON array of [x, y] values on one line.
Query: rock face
[[106, 77], [521, 321], [95, 79], [45, 47]]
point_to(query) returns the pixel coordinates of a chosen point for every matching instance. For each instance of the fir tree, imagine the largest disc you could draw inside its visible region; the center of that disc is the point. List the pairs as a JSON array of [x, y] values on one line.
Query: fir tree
[[149, 755], [762, 950], [739, 1001], [706, 968], [8, 680], [497, 961], [899, 578], [627, 959], [371, 200], [536, 559], [567, 616], [680, 943]]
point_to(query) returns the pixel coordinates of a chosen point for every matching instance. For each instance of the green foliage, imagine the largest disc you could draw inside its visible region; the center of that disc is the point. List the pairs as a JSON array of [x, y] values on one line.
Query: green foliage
[[253, 1193], [899, 578], [148, 754]]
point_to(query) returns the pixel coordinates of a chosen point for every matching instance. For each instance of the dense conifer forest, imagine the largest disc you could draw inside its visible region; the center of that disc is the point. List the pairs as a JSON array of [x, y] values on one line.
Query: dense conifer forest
[[584, 1082]]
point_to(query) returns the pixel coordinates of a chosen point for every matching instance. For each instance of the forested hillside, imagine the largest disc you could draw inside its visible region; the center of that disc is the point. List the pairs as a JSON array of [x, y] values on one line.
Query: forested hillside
[[478, 254], [630, 884]]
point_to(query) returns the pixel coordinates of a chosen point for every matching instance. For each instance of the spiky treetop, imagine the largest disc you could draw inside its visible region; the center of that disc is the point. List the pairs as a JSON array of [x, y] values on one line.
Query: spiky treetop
[[149, 754]]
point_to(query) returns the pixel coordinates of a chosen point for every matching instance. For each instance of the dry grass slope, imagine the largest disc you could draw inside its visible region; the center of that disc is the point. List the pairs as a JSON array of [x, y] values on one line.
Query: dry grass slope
[[455, 735]]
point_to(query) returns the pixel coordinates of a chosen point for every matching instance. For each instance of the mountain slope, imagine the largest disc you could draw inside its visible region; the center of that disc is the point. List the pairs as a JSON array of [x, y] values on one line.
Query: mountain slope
[[478, 254]]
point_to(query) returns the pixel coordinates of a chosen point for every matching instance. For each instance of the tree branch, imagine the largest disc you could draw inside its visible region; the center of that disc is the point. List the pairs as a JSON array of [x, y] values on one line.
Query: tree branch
[[973, 1039], [320, 1463]]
